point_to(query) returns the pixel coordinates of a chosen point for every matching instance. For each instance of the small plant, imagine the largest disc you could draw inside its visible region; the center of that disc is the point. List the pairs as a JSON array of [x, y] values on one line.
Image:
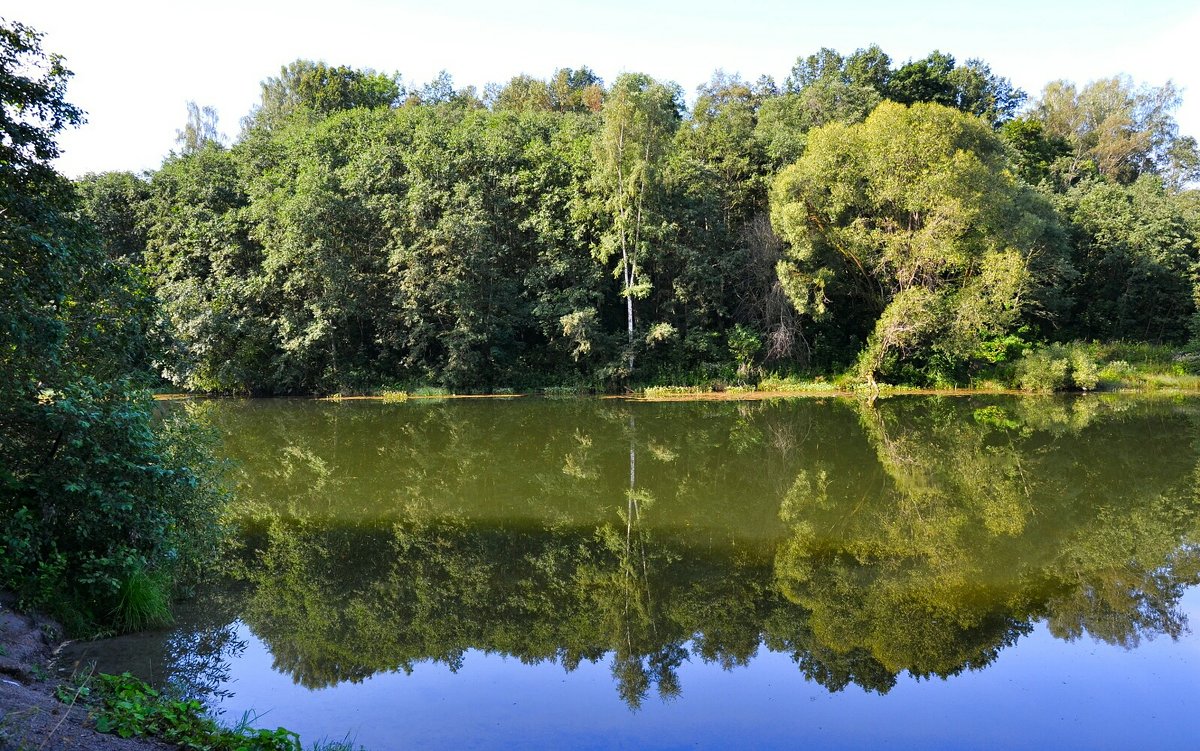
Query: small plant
[[427, 391], [127, 707], [392, 396], [658, 392], [1057, 367]]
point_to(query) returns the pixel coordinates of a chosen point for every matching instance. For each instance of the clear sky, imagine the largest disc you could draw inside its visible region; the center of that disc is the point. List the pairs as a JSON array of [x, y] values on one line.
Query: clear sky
[[138, 63]]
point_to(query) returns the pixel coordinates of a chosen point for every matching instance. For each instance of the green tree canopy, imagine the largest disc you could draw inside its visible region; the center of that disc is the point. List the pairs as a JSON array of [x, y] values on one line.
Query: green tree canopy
[[1117, 130], [319, 89], [1136, 248], [914, 215]]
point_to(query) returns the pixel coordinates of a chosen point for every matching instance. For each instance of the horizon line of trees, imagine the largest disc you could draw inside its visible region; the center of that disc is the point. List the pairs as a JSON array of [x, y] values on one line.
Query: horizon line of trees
[[919, 222]]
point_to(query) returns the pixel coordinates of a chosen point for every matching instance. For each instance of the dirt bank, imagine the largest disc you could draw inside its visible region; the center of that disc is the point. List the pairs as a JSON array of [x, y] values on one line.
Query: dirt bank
[[31, 718]]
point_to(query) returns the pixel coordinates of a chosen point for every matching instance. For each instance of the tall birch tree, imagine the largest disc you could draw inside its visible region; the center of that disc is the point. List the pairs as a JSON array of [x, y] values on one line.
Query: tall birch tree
[[640, 117]]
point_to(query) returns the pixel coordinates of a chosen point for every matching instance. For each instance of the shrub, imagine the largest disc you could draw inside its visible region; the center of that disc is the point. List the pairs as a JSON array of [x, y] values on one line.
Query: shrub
[[106, 509], [127, 707], [744, 344], [1057, 367]]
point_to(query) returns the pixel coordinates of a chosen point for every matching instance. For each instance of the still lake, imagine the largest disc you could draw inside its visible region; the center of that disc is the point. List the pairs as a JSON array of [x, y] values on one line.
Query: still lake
[[932, 572]]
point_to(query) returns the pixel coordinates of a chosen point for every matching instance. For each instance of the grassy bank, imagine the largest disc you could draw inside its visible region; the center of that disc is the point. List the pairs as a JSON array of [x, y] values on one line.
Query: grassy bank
[[1076, 366]]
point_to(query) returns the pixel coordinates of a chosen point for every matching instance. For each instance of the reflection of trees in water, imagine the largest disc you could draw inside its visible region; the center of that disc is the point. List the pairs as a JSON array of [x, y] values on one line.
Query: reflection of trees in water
[[981, 526], [621, 586], [198, 660], [191, 660], [909, 535]]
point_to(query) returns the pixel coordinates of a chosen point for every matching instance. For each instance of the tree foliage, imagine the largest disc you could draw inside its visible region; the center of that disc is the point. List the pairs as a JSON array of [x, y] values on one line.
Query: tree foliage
[[639, 117], [1137, 248], [1117, 130], [314, 89], [361, 233], [914, 215], [94, 495]]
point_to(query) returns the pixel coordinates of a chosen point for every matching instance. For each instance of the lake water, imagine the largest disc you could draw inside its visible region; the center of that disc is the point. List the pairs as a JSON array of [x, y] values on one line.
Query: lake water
[[916, 572]]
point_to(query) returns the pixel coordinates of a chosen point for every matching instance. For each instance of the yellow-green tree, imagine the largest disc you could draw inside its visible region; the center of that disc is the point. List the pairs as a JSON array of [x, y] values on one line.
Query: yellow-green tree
[[913, 219]]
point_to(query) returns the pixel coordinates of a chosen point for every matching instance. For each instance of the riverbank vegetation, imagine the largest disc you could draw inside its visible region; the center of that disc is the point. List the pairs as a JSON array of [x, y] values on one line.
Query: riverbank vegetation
[[104, 510], [921, 223], [865, 222]]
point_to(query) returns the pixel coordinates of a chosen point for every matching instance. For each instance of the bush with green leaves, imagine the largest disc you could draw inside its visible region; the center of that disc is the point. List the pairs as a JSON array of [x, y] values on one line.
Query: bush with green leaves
[[104, 508], [1057, 367], [127, 707]]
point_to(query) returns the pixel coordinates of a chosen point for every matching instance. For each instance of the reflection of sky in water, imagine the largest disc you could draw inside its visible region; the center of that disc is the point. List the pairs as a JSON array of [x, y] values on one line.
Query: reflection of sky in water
[[1043, 692]]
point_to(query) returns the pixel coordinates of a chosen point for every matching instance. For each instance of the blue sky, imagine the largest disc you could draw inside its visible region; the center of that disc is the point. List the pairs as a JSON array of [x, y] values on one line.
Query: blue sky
[[138, 63]]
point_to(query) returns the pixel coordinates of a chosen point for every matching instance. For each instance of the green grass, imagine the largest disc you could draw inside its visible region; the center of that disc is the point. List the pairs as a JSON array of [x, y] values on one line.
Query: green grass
[[564, 392], [658, 392], [143, 601], [427, 391], [790, 384]]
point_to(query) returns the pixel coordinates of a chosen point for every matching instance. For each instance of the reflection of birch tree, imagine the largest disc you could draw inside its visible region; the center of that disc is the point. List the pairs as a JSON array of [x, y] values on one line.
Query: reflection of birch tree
[[625, 596]]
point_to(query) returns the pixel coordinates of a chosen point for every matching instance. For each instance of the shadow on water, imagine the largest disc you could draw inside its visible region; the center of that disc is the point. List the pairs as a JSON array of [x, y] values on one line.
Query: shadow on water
[[868, 541]]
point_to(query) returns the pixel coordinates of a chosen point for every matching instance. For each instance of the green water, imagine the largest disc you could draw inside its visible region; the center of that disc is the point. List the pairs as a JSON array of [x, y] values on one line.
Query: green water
[[641, 571]]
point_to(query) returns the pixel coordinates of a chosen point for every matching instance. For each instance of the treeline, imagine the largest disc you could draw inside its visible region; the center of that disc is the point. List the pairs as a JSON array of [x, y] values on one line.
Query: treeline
[[918, 222]]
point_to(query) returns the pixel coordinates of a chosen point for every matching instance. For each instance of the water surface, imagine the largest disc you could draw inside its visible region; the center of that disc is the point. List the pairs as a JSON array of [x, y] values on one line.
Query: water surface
[[911, 572]]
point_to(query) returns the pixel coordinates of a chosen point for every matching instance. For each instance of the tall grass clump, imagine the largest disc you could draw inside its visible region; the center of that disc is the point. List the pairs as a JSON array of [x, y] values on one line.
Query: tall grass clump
[[143, 600]]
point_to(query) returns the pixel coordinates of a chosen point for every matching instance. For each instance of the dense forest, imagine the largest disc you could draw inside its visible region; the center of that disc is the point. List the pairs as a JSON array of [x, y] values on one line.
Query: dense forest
[[921, 222]]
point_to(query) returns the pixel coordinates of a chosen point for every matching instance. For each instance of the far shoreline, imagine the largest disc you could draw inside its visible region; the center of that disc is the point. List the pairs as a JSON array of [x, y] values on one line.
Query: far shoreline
[[697, 395]]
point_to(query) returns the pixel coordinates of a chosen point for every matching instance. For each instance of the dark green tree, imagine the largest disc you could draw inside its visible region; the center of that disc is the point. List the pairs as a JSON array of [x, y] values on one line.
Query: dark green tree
[[1136, 248], [102, 510]]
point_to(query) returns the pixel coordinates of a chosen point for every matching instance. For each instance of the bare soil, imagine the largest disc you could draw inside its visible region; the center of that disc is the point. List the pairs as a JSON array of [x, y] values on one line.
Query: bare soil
[[31, 718]]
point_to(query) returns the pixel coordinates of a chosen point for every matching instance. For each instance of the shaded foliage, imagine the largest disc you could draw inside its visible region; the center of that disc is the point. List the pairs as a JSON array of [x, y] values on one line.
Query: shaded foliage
[[102, 510]]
